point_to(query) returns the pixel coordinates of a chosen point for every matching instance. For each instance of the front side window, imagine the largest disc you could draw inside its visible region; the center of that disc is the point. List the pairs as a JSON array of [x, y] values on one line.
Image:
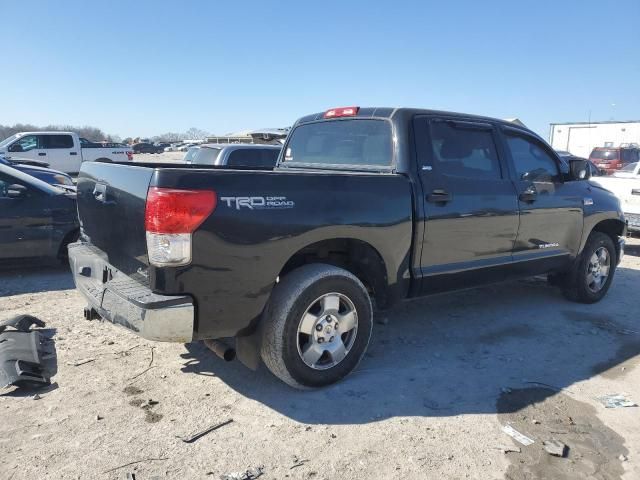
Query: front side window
[[461, 150], [58, 141], [26, 143], [364, 142], [531, 161]]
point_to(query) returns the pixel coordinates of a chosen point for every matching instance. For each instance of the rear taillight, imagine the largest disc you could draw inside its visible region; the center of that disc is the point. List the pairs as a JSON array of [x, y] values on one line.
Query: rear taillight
[[130, 155], [171, 216], [341, 112]]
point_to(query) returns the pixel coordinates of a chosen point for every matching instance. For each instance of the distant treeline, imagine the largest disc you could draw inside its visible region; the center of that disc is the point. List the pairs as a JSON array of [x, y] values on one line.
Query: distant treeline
[[90, 133]]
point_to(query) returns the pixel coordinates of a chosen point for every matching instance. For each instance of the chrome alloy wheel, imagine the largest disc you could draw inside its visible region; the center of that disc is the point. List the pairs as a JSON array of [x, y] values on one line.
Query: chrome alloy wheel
[[598, 269], [327, 331]]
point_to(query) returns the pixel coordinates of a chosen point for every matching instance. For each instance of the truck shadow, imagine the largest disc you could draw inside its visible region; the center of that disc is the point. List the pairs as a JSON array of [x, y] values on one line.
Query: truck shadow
[[18, 278], [455, 354]]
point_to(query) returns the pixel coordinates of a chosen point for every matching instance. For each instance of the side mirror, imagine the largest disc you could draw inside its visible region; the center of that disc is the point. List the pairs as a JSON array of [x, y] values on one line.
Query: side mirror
[[579, 170], [16, 147], [16, 191]]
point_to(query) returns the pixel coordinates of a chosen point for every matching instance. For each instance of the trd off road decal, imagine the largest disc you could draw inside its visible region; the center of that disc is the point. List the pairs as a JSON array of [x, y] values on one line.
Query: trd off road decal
[[258, 203]]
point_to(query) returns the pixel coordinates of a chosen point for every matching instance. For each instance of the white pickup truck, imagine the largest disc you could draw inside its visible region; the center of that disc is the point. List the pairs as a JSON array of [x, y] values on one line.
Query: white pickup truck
[[64, 151], [625, 184]]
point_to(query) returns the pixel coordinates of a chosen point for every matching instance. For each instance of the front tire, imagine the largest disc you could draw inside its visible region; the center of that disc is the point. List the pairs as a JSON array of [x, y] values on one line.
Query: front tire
[[590, 278], [317, 326]]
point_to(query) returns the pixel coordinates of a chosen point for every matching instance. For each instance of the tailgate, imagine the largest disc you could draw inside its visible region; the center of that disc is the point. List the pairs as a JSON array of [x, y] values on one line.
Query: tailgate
[[111, 206]]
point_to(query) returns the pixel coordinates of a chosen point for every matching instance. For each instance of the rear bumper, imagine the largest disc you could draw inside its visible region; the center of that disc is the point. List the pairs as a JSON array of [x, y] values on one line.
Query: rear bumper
[[123, 301]]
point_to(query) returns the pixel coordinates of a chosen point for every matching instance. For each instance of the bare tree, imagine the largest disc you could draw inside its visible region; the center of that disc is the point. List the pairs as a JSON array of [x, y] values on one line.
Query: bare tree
[[195, 134]]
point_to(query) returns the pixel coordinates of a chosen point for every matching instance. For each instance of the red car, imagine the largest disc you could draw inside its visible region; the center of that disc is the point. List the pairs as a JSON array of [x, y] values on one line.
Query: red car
[[611, 159]]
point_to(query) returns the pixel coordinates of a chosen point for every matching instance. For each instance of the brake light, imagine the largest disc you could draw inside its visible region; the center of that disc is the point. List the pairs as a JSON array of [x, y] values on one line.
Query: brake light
[[130, 155], [341, 112], [177, 211], [171, 216]]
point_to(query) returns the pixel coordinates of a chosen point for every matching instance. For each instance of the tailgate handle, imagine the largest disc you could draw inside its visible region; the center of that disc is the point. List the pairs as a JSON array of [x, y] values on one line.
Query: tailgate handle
[[100, 192]]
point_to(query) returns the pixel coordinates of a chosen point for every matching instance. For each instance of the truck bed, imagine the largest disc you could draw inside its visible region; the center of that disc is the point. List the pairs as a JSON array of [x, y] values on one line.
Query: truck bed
[[262, 219]]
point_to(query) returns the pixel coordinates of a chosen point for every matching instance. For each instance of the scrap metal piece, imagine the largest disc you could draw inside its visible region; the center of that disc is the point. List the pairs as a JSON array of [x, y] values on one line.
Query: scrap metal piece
[[26, 358], [616, 401], [22, 323], [516, 435]]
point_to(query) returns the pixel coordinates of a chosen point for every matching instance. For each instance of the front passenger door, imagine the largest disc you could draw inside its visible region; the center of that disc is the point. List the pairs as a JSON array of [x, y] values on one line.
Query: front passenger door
[[25, 220], [551, 215], [28, 147]]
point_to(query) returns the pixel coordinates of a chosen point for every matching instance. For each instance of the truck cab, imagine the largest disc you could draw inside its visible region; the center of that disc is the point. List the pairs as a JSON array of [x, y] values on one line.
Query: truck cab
[[63, 151]]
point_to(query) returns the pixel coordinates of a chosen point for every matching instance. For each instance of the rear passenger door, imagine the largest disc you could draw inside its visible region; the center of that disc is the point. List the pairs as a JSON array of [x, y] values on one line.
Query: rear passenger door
[[551, 215], [470, 204], [62, 154]]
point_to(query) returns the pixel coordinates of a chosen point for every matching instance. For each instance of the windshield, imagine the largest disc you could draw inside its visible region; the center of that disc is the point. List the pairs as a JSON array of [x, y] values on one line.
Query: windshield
[[341, 142], [605, 154], [8, 140], [202, 155]]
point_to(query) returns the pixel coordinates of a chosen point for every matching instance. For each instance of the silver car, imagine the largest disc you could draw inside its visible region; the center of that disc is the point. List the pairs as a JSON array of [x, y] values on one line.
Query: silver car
[[234, 155]]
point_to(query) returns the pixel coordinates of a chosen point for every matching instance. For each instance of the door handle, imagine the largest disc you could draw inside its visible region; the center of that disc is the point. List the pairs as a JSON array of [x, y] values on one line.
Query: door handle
[[73, 153], [529, 195], [439, 196], [42, 154], [635, 191]]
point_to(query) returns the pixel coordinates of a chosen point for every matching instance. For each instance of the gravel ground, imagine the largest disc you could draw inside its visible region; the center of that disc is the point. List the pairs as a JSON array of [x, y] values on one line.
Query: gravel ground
[[443, 376]]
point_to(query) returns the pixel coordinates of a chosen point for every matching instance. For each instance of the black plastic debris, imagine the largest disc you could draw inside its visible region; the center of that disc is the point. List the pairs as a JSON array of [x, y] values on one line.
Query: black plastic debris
[[27, 357]]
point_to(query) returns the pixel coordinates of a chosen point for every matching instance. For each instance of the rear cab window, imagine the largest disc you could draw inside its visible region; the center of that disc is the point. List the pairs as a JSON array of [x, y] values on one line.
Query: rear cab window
[[362, 143], [202, 155], [604, 155]]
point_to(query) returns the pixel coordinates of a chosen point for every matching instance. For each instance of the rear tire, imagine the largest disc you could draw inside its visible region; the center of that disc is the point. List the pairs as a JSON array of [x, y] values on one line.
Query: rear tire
[[316, 327], [586, 281]]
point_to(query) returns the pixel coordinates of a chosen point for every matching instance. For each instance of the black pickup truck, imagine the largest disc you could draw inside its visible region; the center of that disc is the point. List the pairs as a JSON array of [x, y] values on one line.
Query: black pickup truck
[[367, 206]]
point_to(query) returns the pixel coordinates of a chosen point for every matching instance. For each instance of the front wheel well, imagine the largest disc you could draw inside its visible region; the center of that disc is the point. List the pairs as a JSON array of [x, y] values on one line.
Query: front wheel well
[[355, 256], [613, 228]]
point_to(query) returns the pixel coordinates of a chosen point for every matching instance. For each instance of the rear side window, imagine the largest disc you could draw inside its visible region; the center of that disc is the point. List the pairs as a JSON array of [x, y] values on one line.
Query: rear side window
[[58, 141], [253, 157], [341, 142], [464, 151], [531, 161], [604, 154]]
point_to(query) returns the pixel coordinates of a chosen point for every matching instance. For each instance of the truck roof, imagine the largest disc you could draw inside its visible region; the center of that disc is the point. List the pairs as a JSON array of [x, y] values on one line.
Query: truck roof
[[392, 112], [46, 132]]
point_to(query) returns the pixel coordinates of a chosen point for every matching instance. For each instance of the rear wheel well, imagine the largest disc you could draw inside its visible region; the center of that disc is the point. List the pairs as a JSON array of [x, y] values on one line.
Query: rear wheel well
[[70, 237], [355, 256]]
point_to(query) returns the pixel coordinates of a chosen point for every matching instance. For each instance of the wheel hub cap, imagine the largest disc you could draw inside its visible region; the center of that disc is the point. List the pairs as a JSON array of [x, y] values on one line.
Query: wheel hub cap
[[327, 331], [598, 270]]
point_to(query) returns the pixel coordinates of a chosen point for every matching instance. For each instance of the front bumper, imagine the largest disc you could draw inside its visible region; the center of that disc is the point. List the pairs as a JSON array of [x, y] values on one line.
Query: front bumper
[[633, 221], [124, 301]]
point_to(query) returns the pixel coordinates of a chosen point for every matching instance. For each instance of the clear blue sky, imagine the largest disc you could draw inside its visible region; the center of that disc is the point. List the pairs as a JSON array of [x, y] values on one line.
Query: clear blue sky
[[147, 67]]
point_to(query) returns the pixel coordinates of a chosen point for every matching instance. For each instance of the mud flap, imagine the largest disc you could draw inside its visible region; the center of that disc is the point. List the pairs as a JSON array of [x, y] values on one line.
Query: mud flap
[[248, 350], [27, 358]]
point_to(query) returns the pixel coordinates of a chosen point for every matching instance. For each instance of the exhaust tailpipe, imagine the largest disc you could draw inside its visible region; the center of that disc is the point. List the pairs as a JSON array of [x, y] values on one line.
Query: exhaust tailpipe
[[221, 349]]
